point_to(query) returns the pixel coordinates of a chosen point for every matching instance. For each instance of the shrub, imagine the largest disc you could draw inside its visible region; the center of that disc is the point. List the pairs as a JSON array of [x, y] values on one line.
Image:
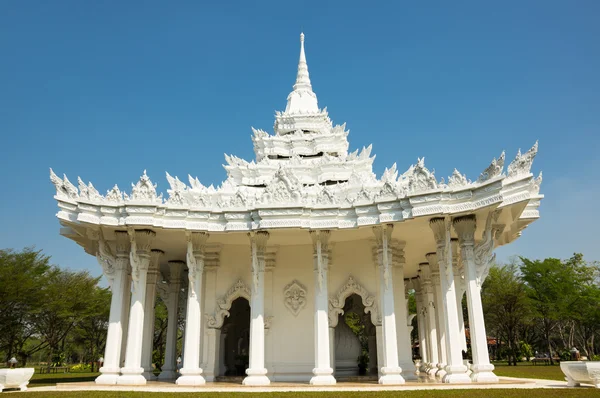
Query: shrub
[[81, 367]]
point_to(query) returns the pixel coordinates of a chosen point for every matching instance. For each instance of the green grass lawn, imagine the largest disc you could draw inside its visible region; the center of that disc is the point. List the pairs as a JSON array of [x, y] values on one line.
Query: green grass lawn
[[561, 393], [527, 370], [50, 379]]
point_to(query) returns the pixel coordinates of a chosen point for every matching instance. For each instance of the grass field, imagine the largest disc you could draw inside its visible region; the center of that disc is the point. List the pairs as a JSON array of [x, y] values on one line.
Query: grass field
[[527, 370], [538, 393], [39, 380]]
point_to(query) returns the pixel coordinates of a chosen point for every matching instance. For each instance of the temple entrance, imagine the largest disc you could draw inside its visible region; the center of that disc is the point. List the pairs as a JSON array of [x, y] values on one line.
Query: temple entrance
[[355, 341], [236, 339]]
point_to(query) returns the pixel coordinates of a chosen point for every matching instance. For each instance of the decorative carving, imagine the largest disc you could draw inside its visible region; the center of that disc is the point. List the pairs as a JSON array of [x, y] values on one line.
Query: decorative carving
[[457, 180], [284, 188], [521, 165], [106, 260], [535, 189], [326, 197], [144, 191], [320, 240], [88, 191], [383, 235], [64, 188], [419, 177], [294, 296], [177, 193], [114, 195], [196, 242], [140, 242], [239, 289], [493, 170], [258, 243], [336, 303]]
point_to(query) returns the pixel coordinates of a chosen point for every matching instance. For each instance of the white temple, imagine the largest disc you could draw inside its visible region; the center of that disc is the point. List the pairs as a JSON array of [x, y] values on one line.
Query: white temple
[[288, 243]]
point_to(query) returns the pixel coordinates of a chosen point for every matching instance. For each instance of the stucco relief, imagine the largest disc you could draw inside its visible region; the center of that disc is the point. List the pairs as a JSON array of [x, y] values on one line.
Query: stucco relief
[[295, 297], [336, 303], [239, 289]]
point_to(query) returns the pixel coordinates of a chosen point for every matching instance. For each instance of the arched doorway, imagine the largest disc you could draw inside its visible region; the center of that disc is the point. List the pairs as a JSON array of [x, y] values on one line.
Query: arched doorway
[[236, 339], [355, 340]]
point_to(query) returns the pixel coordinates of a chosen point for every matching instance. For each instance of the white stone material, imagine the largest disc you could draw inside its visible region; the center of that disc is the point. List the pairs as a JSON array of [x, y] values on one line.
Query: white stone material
[[581, 372], [191, 373], [15, 378], [456, 372], [170, 296], [116, 270], [149, 316], [323, 373], [390, 369], [302, 178], [256, 372], [141, 244], [482, 369]]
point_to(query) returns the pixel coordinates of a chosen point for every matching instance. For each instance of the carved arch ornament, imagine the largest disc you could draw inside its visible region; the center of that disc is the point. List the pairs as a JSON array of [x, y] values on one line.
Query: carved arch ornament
[[336, 303], [239, 289]]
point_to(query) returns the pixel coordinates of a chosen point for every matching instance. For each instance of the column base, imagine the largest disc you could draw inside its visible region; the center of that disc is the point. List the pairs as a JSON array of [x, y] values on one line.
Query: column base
[[391, 376], [440, 370], [131, 377], [256, 377], [323, 377], [149, 375], [483, 374], [108, 378], [167, 374], [431, 370], [409, 371], [456, 374], [190, 377]]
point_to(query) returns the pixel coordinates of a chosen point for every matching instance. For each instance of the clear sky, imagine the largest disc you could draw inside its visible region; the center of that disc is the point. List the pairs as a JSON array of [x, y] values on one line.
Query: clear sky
[[106, 89]]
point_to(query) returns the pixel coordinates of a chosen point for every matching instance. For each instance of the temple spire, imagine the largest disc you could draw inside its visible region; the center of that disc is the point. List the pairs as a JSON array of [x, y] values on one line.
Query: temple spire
[[302, 99], [302, 79]]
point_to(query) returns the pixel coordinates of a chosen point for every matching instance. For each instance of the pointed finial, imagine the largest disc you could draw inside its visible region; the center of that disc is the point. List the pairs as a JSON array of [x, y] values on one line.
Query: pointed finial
[[302, 37]]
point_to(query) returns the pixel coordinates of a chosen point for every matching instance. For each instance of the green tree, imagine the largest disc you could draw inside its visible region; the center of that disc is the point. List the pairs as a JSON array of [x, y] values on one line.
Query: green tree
[[506, 306], [553, 287], [66, 300], [22, 274]]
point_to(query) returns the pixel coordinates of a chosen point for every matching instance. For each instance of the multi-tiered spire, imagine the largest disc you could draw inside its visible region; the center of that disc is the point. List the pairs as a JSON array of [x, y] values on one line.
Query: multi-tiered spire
[[302, 99]]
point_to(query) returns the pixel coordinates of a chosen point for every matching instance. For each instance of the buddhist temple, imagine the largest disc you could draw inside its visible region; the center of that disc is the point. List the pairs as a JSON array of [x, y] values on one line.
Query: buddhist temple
[[265, 267]]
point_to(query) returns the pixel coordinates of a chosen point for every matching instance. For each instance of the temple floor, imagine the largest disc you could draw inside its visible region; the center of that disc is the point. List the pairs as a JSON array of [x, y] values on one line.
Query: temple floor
[[358, 384]]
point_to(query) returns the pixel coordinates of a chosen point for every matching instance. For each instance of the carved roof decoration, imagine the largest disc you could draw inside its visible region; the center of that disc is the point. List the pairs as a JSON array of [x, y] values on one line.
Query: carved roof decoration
[[302, 176]]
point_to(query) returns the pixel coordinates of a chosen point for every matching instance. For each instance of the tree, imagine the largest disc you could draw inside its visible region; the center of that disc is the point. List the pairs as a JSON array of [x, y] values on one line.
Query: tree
[[22, 274], [506, 306], [66, 298], [90, 330], [553, 288]]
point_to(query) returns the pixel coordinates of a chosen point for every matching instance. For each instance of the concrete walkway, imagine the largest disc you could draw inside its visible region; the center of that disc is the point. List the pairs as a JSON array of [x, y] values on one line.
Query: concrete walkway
[[155, 386]]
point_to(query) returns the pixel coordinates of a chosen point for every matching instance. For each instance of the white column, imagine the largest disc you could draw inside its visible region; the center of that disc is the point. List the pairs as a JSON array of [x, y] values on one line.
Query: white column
[[400, 297], [390, 369], [257, 373], [482, 369], [459, 288], [116, 271], [425, 277], [322, 372], [456, 371], [148, 340], [421, 314], [171, 299], [126, 304], [440, 315], [191, 373], [141, 242], [210, 347]]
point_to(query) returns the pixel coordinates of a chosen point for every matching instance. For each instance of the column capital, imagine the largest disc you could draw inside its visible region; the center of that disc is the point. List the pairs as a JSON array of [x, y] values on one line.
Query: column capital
[[141, 240], [155, 255], [438, 226], [197, 241], [322, 235], [383, 230], [432, 259], [260, 238], [424, 273], [122, 239], [175, 270], [465, 229]]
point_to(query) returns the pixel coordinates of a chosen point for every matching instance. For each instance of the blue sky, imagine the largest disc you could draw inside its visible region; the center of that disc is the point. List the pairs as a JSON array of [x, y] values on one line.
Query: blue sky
[[107, 89]]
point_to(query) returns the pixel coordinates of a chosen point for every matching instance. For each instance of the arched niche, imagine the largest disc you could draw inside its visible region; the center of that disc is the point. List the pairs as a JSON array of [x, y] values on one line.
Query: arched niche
[[239, 289], [336, 303]]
